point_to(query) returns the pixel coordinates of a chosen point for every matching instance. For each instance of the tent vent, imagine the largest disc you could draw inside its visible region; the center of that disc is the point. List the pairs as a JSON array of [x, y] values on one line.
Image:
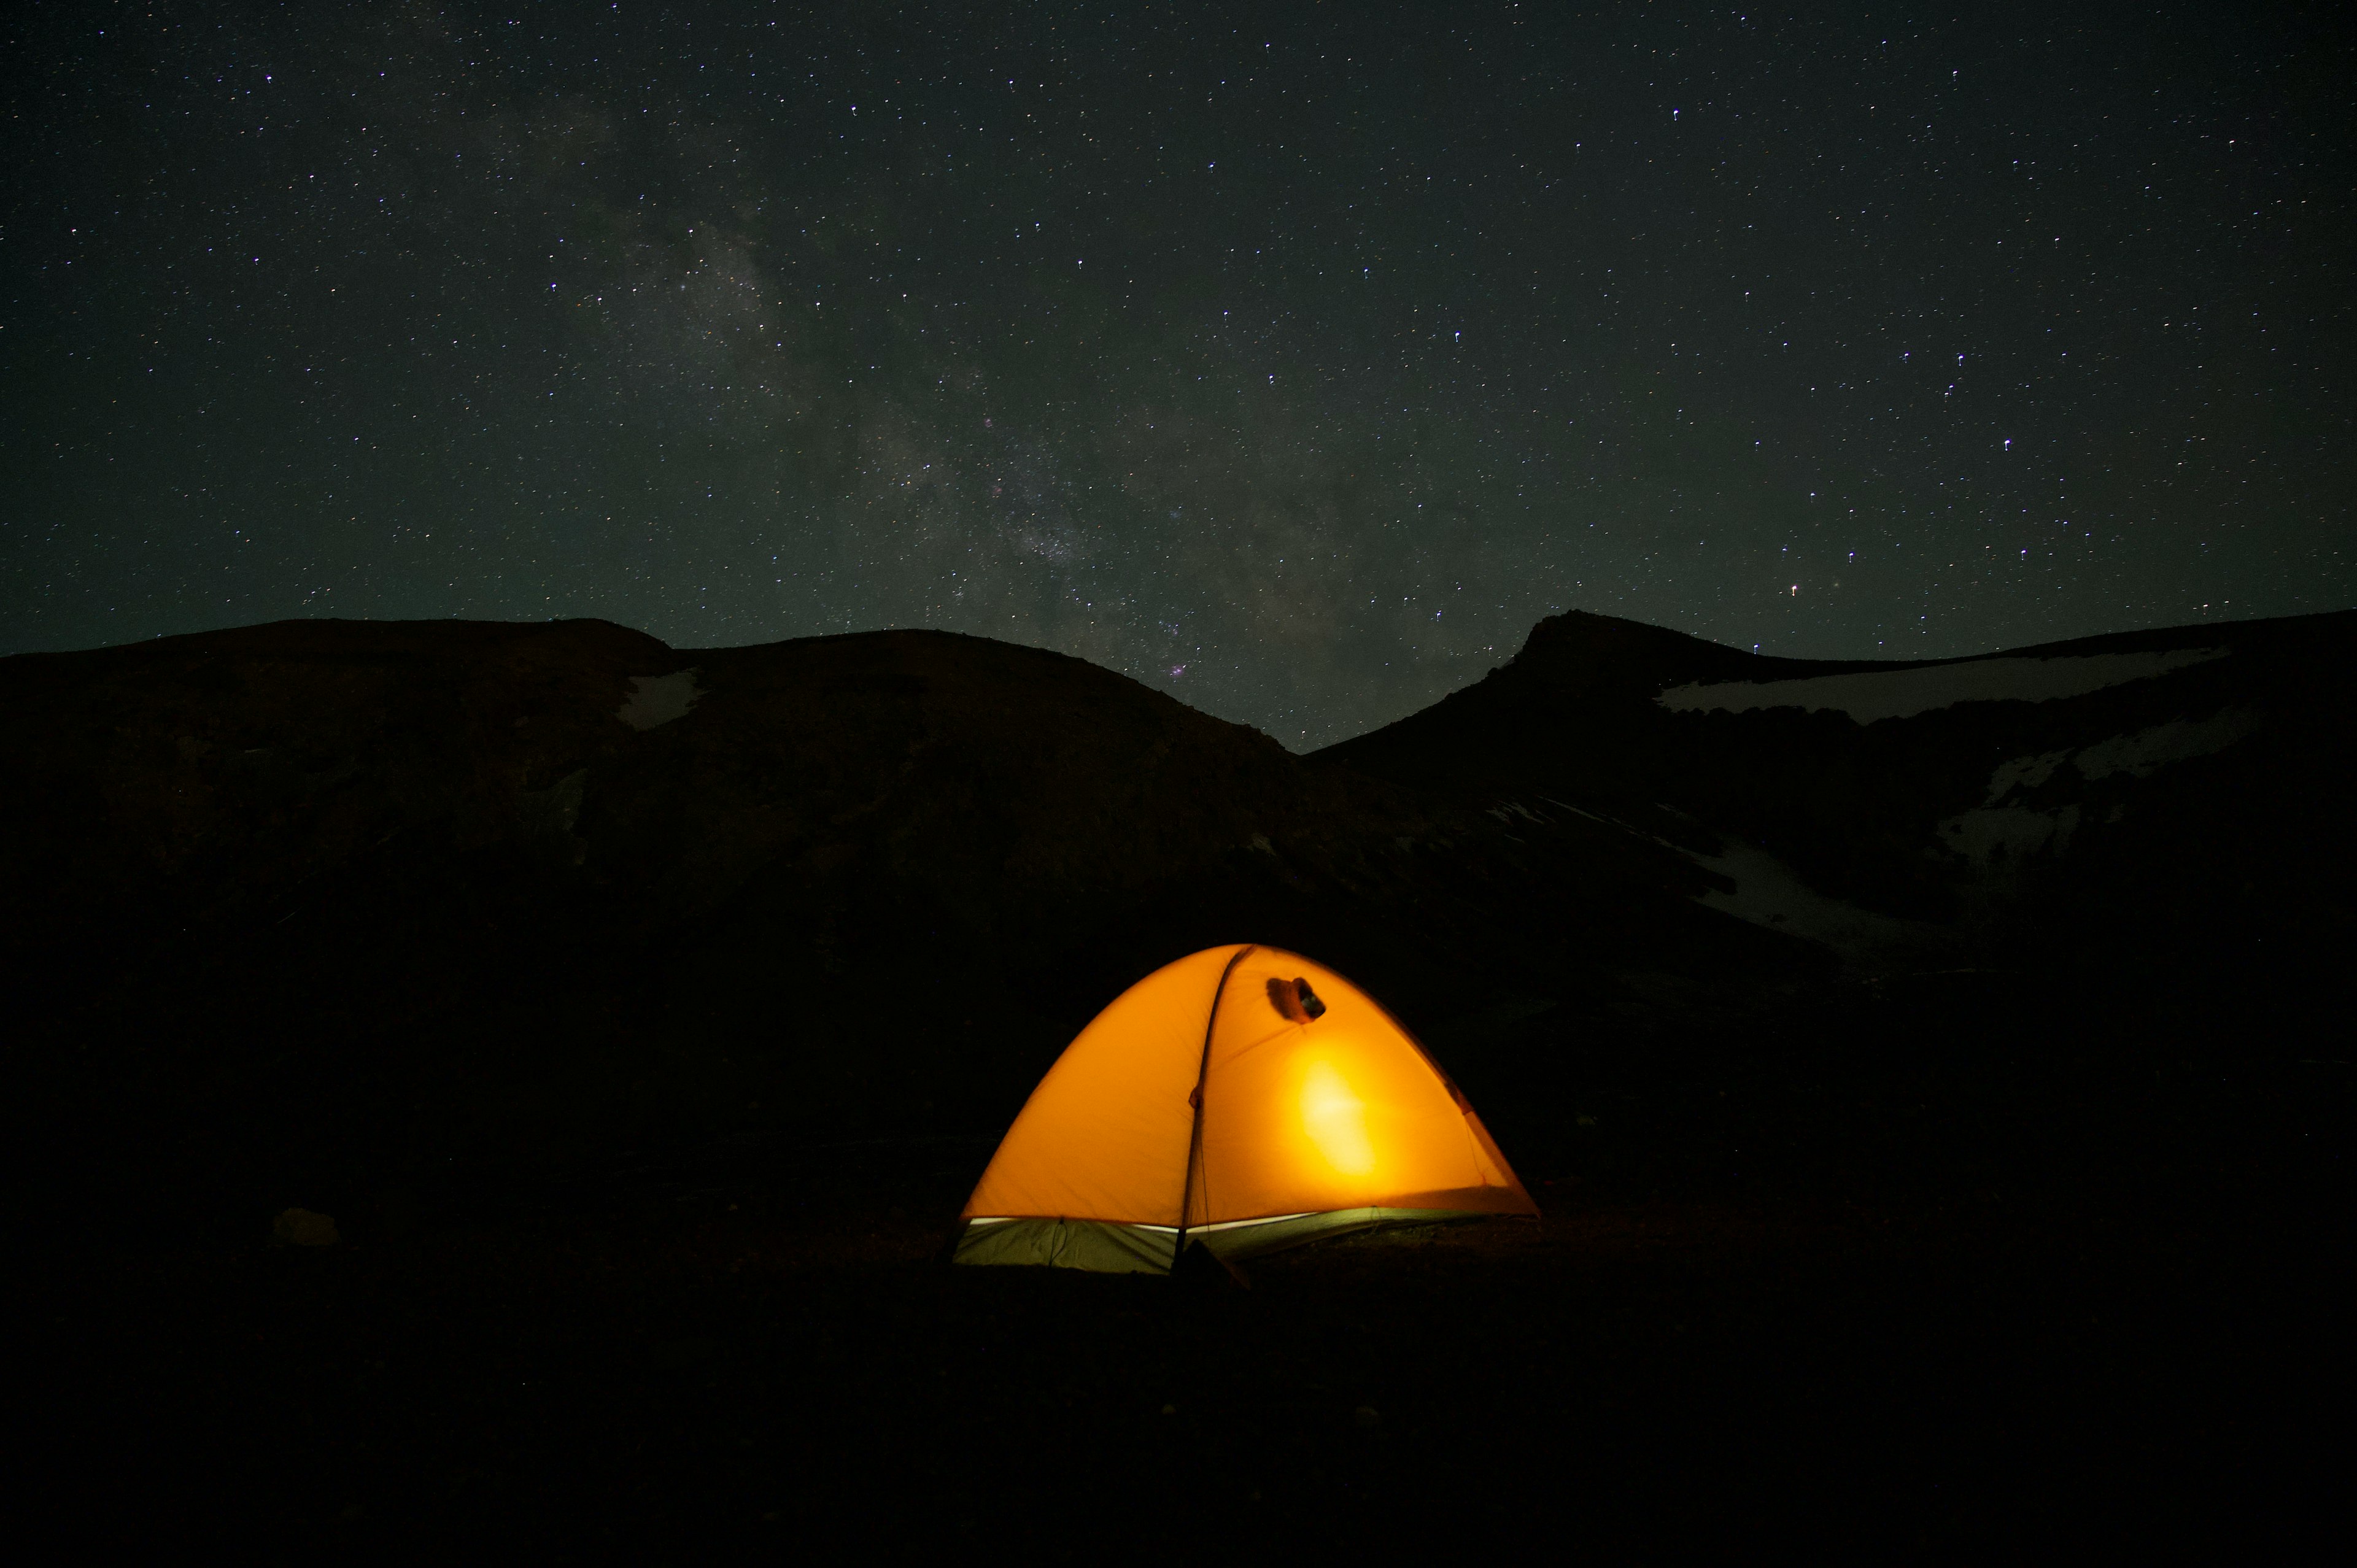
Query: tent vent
[[1295, 1000]]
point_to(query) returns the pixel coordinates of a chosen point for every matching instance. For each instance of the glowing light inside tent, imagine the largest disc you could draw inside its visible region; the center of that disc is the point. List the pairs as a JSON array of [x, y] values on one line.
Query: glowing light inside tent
[[1342, 1116], [1335, 1120]]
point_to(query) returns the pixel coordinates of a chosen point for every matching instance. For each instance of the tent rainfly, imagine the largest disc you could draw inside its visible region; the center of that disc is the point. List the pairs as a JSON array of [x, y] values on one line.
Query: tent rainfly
[[1243, 1097]]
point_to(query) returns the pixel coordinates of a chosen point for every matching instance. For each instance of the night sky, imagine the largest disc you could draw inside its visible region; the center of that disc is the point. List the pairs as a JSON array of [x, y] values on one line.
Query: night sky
[[1292, 360]]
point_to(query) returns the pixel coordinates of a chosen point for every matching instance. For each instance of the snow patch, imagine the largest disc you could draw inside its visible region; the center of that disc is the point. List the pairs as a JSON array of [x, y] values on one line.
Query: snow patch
[[659, 699], [2009, 832], [2139, 754], [556, 808], [1872, 695], [1771, 894], [2022, 773]]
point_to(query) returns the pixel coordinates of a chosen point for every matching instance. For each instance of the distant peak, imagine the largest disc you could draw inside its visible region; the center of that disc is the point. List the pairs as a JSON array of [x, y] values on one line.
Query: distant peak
[[1581, 649]]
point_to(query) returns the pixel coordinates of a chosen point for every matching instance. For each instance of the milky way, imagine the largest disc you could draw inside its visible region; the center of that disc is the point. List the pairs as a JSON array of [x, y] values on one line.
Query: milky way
[[1292, 362]]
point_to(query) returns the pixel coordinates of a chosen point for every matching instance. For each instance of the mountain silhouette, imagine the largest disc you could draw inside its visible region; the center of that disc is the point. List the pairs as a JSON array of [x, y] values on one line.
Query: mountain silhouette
[[338, 904]]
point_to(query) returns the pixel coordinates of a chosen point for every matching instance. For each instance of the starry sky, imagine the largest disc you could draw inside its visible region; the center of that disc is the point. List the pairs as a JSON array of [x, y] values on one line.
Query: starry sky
[[1293, 360]]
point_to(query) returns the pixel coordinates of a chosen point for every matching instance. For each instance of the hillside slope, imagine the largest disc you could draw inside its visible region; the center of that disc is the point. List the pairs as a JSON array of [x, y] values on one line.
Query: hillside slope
[[372, 912], [330, 906], [2172, 793]]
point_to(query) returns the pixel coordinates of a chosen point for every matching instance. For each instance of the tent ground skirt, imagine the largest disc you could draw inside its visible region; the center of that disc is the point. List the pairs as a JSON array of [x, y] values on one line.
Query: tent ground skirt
[[1109, 1247]]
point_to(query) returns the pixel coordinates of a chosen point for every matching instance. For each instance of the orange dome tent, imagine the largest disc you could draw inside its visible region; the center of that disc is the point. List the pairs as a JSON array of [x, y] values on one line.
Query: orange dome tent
[[1244, 1098]]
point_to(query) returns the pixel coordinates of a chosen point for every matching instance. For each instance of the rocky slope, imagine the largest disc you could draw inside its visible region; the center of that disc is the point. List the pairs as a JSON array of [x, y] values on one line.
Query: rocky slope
[[335, 904], [338, 909], [2175, 791]]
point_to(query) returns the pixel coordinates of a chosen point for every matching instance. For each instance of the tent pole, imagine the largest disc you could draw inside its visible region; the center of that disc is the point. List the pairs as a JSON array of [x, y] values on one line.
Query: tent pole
[[1203, 1072]]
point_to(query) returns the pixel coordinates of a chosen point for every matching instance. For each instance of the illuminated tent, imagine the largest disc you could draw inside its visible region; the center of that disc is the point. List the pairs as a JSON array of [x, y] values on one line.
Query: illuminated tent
[[1243, 1097]]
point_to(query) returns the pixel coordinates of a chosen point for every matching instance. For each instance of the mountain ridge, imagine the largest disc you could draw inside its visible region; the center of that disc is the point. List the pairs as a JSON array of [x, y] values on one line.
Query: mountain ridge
[[351, 898]]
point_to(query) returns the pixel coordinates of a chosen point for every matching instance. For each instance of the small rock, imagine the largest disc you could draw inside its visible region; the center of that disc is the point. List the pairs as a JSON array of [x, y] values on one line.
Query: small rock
[[1367, 1415], [1170, 1410], [301, 1228]]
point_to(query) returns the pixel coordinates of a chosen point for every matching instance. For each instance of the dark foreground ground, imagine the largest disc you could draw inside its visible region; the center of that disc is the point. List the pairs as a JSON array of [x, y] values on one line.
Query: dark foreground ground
[[1959, 1267]]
